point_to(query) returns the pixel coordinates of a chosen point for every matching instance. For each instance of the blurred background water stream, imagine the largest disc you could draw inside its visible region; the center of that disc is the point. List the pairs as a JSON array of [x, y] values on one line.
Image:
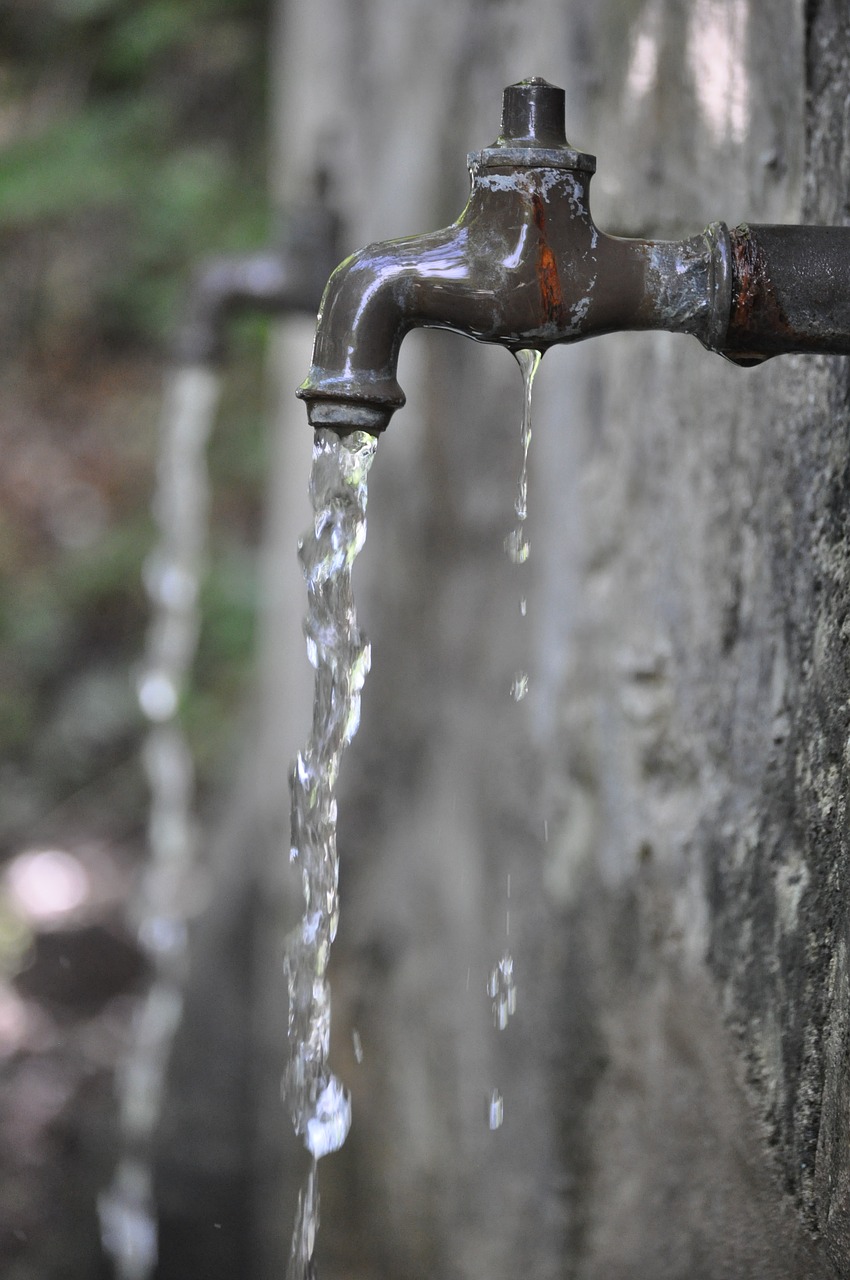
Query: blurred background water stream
[[133, 143]]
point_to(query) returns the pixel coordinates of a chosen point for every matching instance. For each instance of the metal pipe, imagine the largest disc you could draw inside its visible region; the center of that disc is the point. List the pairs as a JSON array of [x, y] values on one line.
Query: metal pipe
[[790, 292], [525, 266]]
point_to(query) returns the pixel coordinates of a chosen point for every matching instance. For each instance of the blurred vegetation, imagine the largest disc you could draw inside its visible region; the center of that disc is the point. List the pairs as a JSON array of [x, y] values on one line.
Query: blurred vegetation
[[140, 120], [132, 144]]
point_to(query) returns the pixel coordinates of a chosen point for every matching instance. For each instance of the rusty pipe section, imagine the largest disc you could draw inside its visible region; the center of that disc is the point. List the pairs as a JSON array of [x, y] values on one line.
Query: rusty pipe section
[[525, 266], [790, 292], [272, 281]]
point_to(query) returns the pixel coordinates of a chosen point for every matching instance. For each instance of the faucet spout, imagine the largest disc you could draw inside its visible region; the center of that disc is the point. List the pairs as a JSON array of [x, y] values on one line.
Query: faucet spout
[[525, 266]]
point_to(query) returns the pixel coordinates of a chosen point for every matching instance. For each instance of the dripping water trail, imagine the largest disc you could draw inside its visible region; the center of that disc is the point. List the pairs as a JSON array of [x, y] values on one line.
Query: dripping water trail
[[501, 984], [339, 653], [172, 577], [516, 543]]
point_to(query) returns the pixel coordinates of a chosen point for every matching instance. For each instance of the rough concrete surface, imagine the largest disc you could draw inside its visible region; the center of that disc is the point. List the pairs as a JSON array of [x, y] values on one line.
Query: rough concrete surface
[[669, 802]]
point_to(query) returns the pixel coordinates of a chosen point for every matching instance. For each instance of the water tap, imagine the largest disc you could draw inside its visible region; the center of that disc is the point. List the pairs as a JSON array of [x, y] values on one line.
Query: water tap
[[526, 267], [288, 277]]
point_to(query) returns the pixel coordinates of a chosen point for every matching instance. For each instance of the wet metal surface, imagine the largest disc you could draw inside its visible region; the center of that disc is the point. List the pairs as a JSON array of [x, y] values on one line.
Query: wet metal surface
[[526, 267], [790, 292], [658, 528]]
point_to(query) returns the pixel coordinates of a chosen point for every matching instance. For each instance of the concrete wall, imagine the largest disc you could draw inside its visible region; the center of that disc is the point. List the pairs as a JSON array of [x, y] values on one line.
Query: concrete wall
[[669, 801]]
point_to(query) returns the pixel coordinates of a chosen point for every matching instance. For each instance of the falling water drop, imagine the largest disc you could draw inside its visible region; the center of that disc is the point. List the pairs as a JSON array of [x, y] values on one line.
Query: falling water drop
[[517, 546], [158, 696], [172, 576], [328, 1127], [301, 1265], [501, 989], [519, 688], [495, 1109]]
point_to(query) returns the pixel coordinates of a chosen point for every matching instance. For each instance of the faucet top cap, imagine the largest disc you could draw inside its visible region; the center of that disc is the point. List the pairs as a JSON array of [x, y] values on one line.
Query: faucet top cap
[[533, 132], [533, 113]]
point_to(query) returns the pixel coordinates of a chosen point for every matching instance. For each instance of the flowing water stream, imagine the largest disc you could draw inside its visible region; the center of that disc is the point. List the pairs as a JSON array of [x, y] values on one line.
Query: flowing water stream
[[339, 653], [172, 578], [337, 650]]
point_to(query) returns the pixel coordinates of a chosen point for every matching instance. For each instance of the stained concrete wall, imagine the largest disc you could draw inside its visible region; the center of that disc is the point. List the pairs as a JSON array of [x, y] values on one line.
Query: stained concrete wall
[[669, 802]]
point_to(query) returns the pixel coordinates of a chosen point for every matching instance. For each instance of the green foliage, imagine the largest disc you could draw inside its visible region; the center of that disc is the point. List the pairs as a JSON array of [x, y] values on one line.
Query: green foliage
[[143, 34], [66, 610], [135, 149], [229, 594], [136, 112], [225, 654], [89, 159]]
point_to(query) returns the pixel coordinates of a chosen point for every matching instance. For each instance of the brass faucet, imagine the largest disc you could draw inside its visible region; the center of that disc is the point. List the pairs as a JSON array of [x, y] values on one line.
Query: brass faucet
[[525, 266]]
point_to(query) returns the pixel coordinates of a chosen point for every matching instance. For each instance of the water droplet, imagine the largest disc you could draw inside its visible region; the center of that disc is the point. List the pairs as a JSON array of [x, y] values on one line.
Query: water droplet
[[170, 585], [523, 606], [517, 547], [163, 935], [501, 989], [358, 1045], [158, 696], [310, 926], [301, 1265], [519, 688], [127, 1220], [328, 1128], [495, 1109]]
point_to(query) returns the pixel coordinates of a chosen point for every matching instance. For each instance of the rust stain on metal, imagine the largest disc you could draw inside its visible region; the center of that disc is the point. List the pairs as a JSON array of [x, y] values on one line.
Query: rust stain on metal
[[547, 269], [758, 325]]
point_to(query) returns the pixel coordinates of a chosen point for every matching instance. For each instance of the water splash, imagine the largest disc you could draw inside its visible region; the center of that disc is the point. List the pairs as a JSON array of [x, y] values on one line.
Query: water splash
[[319, 1105], [172, 577]]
